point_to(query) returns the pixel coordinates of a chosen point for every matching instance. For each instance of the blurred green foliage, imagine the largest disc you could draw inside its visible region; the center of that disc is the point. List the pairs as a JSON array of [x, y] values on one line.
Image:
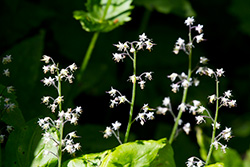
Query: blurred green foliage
[[30, 29]]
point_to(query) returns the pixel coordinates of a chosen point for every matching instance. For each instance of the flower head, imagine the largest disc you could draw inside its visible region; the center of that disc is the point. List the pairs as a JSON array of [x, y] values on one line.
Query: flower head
[[189, 21]]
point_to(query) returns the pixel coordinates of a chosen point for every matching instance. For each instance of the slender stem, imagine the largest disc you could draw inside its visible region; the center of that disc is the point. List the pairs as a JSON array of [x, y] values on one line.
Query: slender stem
[[132, 101], [87, 56], [184, 96], [214, 122]]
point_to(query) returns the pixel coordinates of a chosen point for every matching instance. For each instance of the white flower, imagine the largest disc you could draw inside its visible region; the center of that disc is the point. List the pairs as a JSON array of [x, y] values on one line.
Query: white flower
[[173, 76], [113, 103], [182, 107], [228, 94], [141, 118], [6, 72], [216, 144], [107, 132], [116, 125], [212, 98], [199, 28], [185, 83], [117, 57], [203, 60], [223, 148], [132, 78], [161, 110], [186, 128], [200, 163], [9, 128], [10, 89], [73, 67], [46, 59], [77, 146], [78, 110], [189, 21], [74, 120], [72, 134], [45, 99], [142, 84], [200, 119], [53, 107], [59, 99], [48, 81], [220, 72], [166, 101], [175, 87], [6, 59], [196, 103], [149, 45], [209, 72], [217, 125], [132, 50], [232, 103], [180, 42], [176, 49], [139, 45], [120, 46], [148, 75], [150, 115], [112, 92], [199, 38], [46, 69], [142, 37], [226, 133]]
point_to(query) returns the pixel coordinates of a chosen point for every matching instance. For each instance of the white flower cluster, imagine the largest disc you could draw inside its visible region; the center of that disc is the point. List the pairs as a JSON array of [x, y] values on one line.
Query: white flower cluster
[[70, 115], [184, 81], [180, 44], [118, 97], [113, 130], [147, 75], [145, 115], [224, 100], [9, 129], [131, 47], [226, 134], [194, 162], [60, 74], [7, 59]]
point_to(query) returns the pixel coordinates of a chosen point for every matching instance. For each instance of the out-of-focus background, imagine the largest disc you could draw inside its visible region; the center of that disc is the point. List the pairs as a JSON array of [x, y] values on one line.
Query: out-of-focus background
[[32, 28]]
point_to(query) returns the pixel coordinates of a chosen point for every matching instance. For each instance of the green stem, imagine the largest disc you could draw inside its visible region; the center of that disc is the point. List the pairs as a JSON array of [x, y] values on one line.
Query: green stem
[[87, 56], [215, 121], [132, 102], [184, 96], [61, 125]]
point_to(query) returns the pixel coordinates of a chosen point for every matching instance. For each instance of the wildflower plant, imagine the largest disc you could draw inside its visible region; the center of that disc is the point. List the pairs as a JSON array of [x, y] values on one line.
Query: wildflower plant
[[62, 143], [130, 49], [7, 103], [195, 107]]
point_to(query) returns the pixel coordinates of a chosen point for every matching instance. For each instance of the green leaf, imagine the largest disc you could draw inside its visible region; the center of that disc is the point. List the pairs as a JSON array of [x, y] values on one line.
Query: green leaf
[[141, 153], [88, 160], [24, 145], [216, 165], [230, 158], [246, 162], [102, 19], [203, 142], [179, 7]]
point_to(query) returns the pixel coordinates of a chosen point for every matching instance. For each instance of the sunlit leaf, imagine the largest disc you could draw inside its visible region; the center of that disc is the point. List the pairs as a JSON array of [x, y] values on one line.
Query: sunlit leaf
[[216, 165], [246, 162], [95, 19], [141, 153]]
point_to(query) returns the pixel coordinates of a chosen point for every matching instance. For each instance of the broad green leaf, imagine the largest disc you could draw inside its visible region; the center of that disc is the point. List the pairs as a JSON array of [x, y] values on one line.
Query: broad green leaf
[[141, 153], [179, 7], [42, 160], [88, 160], [22, 146], [97, 18], [230, 158], [246, 162], [203, 142], [13, 116], [216, 165]]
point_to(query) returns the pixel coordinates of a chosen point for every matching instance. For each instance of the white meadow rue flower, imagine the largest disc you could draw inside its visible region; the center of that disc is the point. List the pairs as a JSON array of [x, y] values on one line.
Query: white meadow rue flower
[[48, 81], [10, 89], [72, 67], [142, 84], [142, 37], [116, 125], [150, 115], [199, 28], [189, 21], [203, 60], [113, 103], [59, 99], [112, 92], [120, 46], [185, 83], [209, 72], [118, 57], [107, 132], [232, 103], [186, 128], [175, 87], [223, 148], [182, 107], [199, 119], [141, 117], [217, 125], [199, 38], [149, 45], [172, 76], [161, 110], [166, 101], [46, 69], [46, 59], [228, 94], [148, 75], [9, 128], [45, 100], [226, 133], [212, 98], [6, 72], [220, 72], [6, 59], [132, 78]]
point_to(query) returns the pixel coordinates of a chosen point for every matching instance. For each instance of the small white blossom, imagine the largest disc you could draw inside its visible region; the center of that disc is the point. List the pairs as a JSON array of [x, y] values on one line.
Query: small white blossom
[[6, 72], [199, 38], [203, 60], [10, 89], [6, 59], [107, 132], [173, 76], [186, 128], [112, 92], [141, 117], [182, 107], [150, 115], [73, 67], [175, 87], [228, 94], [200, 119], [48, 81], [232, 103], [212, 98], [148, 75], [180, 42], [116, 125], [189, 21], [45, 100], [142, 37], [142, 84], [166, 101], [46, 59], [118, 57], [220, 72], [161, 110], [199, 28]]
